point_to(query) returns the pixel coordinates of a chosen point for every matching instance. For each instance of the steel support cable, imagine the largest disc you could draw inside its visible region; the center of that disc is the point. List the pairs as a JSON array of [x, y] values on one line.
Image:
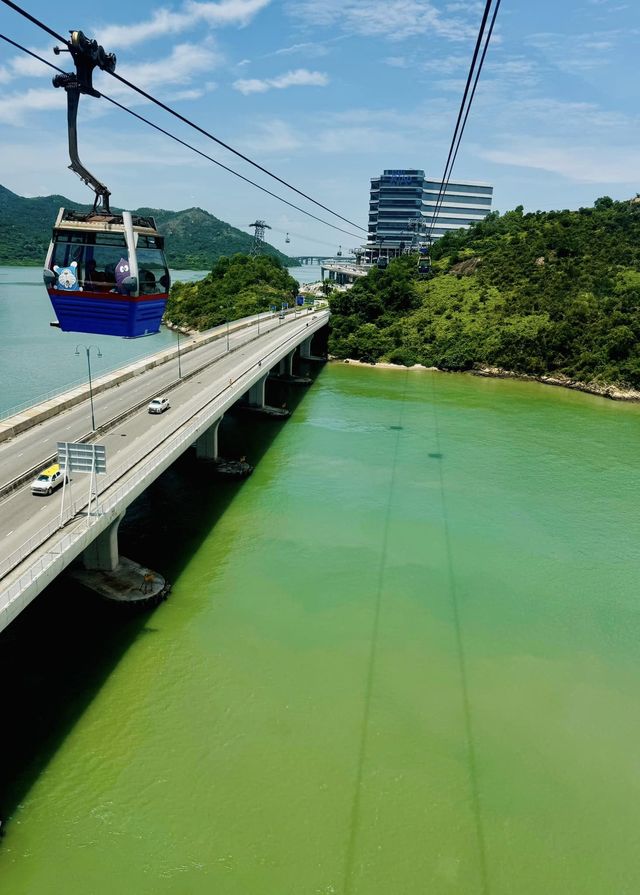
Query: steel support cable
[[476, 50], [347, 886], [184, 143], [475, 84], [457, 133], [308, 238], [187, 121]]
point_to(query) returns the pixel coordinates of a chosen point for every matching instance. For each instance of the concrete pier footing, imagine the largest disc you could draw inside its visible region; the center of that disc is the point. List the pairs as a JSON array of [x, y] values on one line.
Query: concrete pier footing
[[293, 380], [265, 410], [128, 584]]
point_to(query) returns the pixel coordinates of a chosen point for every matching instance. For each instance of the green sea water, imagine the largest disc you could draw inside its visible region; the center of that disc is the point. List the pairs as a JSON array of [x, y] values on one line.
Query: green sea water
[[402, 658]]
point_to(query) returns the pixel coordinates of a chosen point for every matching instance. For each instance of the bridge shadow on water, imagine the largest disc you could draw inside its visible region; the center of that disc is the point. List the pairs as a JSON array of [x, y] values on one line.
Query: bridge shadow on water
[[58, 653]]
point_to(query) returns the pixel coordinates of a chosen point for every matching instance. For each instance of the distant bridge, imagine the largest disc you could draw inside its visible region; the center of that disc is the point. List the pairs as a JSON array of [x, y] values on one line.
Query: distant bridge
[[315, 260]]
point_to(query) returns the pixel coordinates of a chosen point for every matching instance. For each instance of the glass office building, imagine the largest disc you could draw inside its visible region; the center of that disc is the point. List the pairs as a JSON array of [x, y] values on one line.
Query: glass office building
[[403, 204]]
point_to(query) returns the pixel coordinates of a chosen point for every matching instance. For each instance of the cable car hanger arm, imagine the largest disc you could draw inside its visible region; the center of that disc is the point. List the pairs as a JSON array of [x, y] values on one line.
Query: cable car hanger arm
[[87, 54], [73, 98]]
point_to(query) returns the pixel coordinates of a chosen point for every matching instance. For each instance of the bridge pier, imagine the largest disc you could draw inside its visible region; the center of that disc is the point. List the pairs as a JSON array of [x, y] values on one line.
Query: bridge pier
[[285, 367], [256, 394], [102, 554], [207, 443], [255, 400], [305, 348]]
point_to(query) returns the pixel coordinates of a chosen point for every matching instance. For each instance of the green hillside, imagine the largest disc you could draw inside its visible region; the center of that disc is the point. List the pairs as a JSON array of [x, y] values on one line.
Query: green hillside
[[554, 292], [236, 287], [194, 238]]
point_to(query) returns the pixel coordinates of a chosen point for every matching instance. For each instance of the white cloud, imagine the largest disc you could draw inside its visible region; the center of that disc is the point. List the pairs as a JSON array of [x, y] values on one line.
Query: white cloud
[[301, 77], [447, 65], [165, 22], [308, 48], [580, 52], [183, 95], [176, 70], [593, 164], [14, 107], [184, 61], [392, 19], [396, 61], [24, 66], [274, 136], [570, 118]]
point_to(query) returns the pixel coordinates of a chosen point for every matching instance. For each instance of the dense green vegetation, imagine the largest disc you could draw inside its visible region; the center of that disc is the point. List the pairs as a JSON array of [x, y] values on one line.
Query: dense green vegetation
[[236, 287], [547, 292], [195, 239]]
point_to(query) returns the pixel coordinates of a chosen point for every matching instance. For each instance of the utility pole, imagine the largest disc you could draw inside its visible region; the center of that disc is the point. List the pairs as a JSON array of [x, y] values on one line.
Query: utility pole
[[88, 349], [258, 238]]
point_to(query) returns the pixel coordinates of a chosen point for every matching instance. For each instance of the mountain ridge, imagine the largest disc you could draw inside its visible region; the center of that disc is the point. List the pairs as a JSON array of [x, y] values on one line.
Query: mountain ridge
[[195, 239]]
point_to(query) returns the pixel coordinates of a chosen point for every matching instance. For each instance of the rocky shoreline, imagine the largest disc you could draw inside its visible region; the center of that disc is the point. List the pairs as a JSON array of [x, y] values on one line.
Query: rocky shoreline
[[613, 392]]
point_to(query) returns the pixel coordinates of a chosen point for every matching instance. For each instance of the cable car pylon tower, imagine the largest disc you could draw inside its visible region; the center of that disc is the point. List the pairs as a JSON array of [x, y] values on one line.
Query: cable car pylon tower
[[258, 237]]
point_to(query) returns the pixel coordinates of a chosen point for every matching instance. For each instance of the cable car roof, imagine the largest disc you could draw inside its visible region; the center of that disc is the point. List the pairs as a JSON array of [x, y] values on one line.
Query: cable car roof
[[68, 219]]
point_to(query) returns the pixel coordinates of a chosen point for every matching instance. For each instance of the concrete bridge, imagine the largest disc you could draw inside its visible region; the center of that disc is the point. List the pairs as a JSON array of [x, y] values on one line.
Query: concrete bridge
[[343, 272], [215, 370], [314, 260]]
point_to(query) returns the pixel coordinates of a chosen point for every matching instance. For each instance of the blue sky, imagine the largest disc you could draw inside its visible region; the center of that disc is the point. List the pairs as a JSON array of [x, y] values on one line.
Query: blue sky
[[328, 93]]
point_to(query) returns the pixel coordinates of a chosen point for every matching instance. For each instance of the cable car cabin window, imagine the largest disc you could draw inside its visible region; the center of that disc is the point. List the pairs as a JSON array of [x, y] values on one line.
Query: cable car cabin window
[[152, 270], [150, 242], [96, 264]]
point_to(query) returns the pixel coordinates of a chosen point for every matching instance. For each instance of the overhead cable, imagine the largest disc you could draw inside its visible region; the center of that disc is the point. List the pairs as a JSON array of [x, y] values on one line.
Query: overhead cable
[[183, 142], [465, 108], [185, 120]]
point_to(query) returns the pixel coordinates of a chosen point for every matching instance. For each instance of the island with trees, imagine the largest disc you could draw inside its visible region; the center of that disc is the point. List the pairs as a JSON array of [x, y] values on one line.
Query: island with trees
[[237, 286]]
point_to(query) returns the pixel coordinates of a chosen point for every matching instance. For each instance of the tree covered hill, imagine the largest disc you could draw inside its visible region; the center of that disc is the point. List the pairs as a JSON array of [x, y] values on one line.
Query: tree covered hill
[[553, 292], [236, 287], [194, 238]]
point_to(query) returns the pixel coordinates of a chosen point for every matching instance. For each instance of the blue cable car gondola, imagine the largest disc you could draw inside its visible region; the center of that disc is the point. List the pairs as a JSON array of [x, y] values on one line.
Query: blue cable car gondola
[[424, 261], [105, 273]]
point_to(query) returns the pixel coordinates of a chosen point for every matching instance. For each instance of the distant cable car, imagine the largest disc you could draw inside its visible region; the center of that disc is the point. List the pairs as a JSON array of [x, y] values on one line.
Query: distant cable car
[[105, 273], [424, 260], [339, 252], [286, 239]]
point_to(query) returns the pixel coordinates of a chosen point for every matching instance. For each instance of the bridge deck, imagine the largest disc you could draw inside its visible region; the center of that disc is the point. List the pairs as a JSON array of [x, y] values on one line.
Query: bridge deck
[[139, 448]]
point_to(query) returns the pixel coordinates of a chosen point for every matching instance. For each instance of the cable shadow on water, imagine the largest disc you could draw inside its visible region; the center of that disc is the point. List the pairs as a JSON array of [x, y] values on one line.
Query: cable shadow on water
[[362, 749], [462, 663], [61, 650]]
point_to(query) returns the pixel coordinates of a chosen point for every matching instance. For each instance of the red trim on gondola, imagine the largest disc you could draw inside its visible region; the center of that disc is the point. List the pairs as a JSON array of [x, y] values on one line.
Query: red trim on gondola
[[111, 296]]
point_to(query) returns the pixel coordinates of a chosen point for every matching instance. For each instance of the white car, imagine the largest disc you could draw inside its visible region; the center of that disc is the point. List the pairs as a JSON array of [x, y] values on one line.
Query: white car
[[48, 480], [159, 405]]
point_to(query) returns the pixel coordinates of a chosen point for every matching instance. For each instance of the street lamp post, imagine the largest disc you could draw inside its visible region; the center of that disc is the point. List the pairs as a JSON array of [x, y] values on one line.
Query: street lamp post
[[179, 362], [87, 349]]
